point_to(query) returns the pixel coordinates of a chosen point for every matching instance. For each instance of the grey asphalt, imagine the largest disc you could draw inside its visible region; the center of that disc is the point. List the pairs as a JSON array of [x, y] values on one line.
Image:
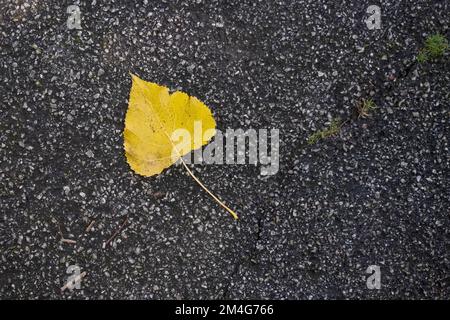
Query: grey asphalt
[[374, 194]]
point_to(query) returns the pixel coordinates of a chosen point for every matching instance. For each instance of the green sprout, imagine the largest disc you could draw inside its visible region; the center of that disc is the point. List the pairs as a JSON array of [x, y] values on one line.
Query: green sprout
[[435, 47], [331, 130], [365, 107]]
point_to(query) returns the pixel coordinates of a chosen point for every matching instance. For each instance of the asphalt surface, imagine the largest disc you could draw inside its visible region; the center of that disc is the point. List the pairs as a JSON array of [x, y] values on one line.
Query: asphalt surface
[[375, 194]]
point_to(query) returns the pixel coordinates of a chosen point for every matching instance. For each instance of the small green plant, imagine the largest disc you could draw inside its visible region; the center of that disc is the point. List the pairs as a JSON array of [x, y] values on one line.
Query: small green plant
[[422, 57], [365, 107], [435, 47], [332, 129], [77, 39]]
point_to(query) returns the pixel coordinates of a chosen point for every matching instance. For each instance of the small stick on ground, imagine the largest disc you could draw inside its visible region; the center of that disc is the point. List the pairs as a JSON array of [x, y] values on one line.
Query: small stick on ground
[[70, 241], [64, 240], [117, 231], [89, 227]]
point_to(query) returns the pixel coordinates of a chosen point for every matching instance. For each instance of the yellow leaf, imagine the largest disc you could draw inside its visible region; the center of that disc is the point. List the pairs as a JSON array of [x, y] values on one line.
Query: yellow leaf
[[152, 118]]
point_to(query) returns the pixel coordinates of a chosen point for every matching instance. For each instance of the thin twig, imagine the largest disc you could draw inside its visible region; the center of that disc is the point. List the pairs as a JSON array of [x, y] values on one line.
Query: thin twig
[[70, 241], [89, 227], [117, 231]]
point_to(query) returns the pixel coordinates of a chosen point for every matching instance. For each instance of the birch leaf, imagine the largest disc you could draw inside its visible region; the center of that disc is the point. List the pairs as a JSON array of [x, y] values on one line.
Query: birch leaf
[[152, 117]]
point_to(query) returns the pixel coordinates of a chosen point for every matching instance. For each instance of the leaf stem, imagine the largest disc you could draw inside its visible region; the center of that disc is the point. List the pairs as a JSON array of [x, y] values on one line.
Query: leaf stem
[[235, 216]]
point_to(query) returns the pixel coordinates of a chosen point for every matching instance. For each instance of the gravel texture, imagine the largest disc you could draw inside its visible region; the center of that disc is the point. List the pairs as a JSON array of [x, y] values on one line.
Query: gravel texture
[[374, 194]]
